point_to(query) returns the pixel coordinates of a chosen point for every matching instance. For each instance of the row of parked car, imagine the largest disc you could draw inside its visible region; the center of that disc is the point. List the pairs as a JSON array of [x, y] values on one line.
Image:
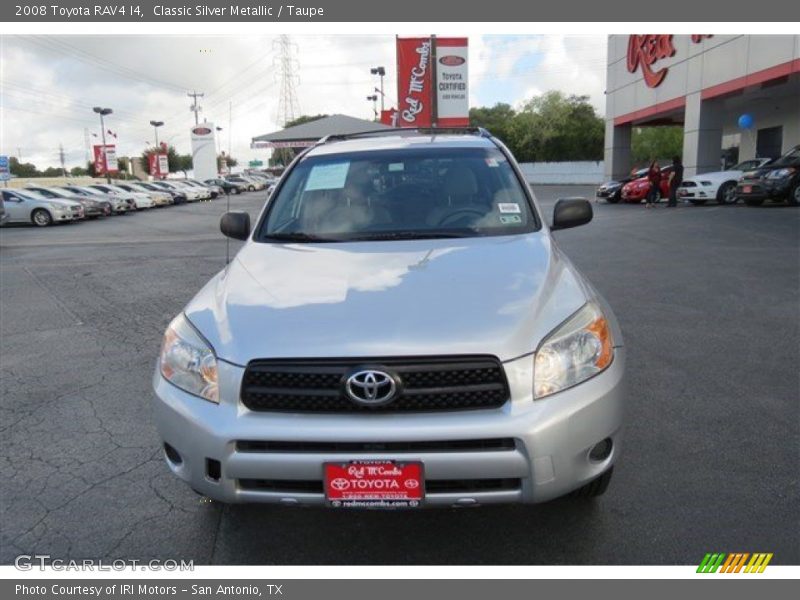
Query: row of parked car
[[753, 181], [45, 205]]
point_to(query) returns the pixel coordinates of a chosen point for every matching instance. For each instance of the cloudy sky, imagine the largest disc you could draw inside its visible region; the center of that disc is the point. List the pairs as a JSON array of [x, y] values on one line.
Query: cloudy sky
[[49, 84]]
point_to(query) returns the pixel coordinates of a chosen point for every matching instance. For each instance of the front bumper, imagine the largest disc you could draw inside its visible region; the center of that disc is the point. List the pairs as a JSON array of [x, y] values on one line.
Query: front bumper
[[762, 189], [549, 458]]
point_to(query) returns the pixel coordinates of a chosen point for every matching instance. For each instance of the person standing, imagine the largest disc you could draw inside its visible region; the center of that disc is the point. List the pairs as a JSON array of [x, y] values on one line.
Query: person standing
[[654, 177], [675, 180]]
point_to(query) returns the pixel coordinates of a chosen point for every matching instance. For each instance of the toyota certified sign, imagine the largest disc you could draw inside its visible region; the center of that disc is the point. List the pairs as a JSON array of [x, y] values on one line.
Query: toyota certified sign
[[452, 82]]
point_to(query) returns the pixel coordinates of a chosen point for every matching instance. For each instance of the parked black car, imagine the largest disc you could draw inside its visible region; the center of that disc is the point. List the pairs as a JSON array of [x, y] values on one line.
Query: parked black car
[[227, 186], [612, 190], [779, 180]]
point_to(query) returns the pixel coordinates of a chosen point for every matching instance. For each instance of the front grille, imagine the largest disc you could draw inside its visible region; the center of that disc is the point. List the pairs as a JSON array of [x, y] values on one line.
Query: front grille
[[432, 486], [488, 445], [427, 384]]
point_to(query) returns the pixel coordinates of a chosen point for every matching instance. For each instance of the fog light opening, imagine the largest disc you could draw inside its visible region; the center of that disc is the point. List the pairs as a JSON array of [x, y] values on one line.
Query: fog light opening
[[601, 450], [213, 469], [172, 455]]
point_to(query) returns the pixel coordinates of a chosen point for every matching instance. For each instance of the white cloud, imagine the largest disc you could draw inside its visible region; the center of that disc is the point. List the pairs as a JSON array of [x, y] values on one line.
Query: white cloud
[[49, 84]]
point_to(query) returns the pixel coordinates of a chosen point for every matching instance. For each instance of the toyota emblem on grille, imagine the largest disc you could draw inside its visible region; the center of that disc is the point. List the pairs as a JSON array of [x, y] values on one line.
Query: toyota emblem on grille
[[371, 387]]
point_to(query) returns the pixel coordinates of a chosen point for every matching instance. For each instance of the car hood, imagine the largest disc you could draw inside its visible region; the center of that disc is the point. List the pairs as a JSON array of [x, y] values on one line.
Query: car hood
[[609, 184], [492, 295]]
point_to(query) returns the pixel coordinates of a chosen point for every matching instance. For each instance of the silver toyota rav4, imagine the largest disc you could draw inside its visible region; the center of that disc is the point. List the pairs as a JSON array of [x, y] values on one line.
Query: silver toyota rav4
[[400, 329]]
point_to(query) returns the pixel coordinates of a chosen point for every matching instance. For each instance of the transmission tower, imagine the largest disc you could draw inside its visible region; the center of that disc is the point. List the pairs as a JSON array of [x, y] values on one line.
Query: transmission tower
[[286, 68]]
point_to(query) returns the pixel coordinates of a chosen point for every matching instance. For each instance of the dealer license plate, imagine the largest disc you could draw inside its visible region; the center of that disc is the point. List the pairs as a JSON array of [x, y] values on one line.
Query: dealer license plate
[[374, 484], [747, 189]]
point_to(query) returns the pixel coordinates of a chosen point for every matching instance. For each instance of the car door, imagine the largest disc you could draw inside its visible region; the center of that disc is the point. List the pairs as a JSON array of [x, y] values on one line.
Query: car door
[[17, 210]]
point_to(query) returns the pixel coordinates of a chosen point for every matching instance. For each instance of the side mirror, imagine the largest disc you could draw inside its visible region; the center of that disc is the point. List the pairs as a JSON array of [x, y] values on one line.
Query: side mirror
[[235, 224], [571, 212]]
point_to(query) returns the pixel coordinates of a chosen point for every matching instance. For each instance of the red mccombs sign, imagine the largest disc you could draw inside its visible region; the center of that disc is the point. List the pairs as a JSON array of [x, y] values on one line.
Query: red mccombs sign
[[645, 50], [105, 161], [159, 165], [432, 84]]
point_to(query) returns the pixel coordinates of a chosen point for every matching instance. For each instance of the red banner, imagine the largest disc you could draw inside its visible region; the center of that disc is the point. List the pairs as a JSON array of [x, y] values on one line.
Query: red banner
[[159, 165], [105, 159], [414, 82]]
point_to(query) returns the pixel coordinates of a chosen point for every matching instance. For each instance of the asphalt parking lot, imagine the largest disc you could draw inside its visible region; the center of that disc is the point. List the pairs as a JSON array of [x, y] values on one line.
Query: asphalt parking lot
[[708, 301]]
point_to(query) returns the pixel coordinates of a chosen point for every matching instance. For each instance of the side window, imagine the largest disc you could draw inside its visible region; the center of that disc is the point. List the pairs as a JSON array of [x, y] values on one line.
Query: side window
[[10, 197]]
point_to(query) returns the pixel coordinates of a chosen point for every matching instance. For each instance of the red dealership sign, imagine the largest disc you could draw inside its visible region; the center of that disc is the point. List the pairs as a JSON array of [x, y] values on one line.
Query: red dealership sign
[[105, 159], [646, 50], [414, 82], [159, 165]]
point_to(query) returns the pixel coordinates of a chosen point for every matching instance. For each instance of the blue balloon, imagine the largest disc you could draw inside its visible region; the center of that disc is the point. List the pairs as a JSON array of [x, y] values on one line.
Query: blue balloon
[[746, 121]]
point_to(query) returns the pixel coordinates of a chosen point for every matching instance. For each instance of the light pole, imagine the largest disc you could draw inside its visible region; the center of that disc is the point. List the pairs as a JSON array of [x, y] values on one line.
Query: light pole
[[103, 112], [380, 71], [374, 100], [156, 125]]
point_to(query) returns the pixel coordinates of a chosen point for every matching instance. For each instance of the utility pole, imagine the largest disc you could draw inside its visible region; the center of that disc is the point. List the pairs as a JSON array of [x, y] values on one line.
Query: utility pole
[[86, 145], [196, 108], [61, 157], [230, 124]]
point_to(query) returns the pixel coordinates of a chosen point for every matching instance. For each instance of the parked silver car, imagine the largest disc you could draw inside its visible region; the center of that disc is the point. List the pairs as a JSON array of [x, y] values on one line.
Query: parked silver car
[[24, 206], [400, 329], [119, 204]]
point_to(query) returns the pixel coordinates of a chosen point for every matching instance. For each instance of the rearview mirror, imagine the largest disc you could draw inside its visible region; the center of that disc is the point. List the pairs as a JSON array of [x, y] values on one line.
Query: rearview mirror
[[235, 224], [571, 212]]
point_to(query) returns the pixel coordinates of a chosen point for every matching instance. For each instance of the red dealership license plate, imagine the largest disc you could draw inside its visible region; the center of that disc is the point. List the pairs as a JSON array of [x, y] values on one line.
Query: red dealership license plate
[[374, 484], [747, 189]]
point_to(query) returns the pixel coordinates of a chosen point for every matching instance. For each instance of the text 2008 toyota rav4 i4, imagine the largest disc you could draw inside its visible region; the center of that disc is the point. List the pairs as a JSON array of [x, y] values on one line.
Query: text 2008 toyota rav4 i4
[[399, 330]]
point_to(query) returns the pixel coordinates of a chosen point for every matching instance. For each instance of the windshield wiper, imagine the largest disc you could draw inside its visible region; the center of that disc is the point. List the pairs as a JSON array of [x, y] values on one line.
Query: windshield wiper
[[412, 235], [297, 236]]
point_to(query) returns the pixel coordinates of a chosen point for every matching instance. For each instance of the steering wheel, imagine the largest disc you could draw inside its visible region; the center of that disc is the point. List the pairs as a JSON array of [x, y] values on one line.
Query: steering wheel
[[458, 215]]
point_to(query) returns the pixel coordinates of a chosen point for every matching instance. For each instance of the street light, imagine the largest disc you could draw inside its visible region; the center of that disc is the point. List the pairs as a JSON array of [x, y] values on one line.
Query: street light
[[156, 125], [374, 100], [380, 71], [103, 112]]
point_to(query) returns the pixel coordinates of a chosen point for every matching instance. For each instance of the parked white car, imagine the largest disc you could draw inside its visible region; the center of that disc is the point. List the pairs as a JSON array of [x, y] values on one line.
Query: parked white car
[[204, 192], [140, 199], [191, 194], [158, 198], [719, 186], [24, 206]]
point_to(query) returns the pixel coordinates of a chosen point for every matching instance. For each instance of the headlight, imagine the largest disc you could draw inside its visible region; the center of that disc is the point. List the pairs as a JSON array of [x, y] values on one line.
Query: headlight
[[187, 362], [578, 349], [781, 173]]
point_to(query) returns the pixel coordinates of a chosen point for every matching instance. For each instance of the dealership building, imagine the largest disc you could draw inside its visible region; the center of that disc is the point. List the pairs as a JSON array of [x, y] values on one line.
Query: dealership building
[[727, 91]]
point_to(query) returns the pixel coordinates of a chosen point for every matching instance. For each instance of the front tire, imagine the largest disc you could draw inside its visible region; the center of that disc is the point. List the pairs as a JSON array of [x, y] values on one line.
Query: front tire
[[614, 198], [41, 218], [727, 193], [794, 195], [754, 201], [596, 487]]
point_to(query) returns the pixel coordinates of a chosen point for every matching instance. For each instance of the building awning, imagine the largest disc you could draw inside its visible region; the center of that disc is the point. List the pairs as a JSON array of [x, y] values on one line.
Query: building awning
[[310, 133]]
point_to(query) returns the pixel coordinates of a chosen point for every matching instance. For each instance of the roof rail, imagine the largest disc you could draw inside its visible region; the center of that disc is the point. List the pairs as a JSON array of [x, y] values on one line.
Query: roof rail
[[335, 137]]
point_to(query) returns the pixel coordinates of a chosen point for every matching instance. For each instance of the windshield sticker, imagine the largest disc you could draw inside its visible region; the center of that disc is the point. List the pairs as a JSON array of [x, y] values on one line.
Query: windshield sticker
[[492, 162], [510, 219], [396, 167], [509, 207], [327, 177]]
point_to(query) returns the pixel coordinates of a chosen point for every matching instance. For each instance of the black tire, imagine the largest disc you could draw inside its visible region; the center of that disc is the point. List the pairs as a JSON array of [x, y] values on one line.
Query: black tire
[[252, 188], [697, 202], [794, 195], [754, 201], [596, 487], [726, 194], [614, 198], [41, 218]]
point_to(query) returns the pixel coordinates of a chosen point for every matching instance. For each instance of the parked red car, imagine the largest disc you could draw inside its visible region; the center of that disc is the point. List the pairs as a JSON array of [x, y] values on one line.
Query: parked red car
[[636, 190]]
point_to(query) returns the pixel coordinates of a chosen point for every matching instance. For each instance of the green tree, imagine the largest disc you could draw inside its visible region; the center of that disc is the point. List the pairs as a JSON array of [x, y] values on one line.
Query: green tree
[[656, 143], [52, 172], [498, 120], [22, 169], [78, 171]]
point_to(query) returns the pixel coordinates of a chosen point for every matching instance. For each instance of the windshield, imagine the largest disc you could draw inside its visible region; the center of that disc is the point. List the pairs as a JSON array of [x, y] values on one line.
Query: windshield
[[397, 194], [790, 158], [89, 190]]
